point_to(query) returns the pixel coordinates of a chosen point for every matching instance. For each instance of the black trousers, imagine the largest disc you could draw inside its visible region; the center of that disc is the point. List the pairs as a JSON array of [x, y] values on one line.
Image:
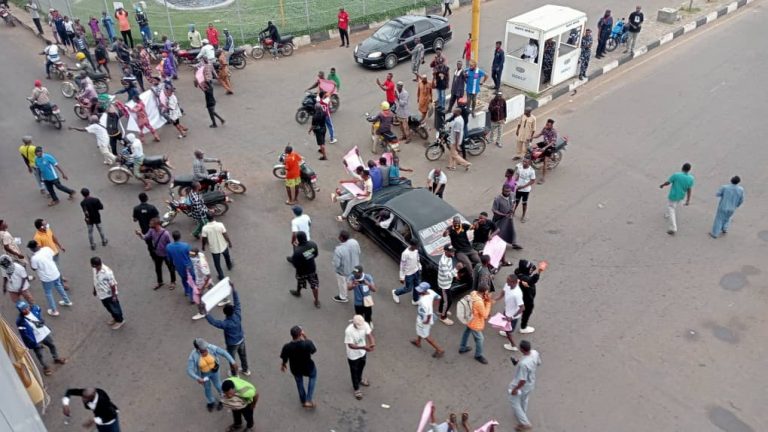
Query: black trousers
[[247, 412], [37, 24], [496, 77], [447, 10], [356, 371], [159, 268], [50, 184], [366, 312], [127, 37], [217, 262], [528, 302], [114, 309], [214, 115], [344, 34], [113, 142]]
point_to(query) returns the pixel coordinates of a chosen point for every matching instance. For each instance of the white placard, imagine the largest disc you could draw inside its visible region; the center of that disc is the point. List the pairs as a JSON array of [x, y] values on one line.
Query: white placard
[[219, 292]]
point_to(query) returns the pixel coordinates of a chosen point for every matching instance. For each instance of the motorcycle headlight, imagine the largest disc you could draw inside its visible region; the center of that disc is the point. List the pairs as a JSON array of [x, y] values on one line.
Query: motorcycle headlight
[[375, 55]]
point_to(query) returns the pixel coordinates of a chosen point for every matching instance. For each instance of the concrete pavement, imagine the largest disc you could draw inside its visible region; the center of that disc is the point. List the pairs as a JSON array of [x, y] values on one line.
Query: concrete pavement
[[632, 324]]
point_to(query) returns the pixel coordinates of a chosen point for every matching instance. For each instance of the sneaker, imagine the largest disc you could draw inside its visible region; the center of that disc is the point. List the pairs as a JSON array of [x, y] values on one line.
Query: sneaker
[[670, 232], [223, 303], [118, 325], [527, 330], [340, 300], [111, 322], [60, 361], [220, 406], [295, 293], [447, 321], [105, 242], [464, 350], [198, 316], [64, 303], [93, 247], [246, 372], [210, 407], [499, 145], [52, 312], [47, 371], [482, 360], [334, 141], [510, 347], [414, 303], [502, 333], [395, 297]]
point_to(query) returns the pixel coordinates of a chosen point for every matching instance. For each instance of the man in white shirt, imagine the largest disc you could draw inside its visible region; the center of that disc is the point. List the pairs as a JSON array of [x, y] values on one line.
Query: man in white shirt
[[301, 222], [51, 52], [425, 318], [15, 279], [102, 138], [410, 272], [362, 197], [215, 236], [436, 181], [523, 383], [525, 175], [531, 51], [105, 289], [137, 156], [49, 275], [513, 309], [207, 51], [359, 342]]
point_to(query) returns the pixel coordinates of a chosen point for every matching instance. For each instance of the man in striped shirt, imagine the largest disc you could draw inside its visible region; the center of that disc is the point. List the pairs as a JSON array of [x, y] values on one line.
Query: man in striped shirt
[[475, 78], [446, 272], [105, 288]]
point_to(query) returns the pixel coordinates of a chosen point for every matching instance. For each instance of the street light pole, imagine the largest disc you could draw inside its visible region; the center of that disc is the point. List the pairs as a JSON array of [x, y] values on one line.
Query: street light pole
[[475, 29]]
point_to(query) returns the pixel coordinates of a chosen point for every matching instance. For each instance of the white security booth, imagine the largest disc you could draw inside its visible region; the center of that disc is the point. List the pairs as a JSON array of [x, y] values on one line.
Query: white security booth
[[542, 47]]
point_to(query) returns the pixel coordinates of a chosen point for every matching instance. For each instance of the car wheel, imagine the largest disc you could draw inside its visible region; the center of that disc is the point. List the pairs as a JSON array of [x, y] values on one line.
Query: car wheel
[[390, 61], [354, 222], [438, 44]]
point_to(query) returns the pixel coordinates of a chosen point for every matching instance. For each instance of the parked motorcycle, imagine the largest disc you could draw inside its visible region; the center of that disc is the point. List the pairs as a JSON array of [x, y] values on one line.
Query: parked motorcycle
[[475, 143], [617, 39], [187, 56], [537, 155], [308, 184], [69, 87], [221, 177], [155, 168], [285, 46], [307, 109], [216, 201], [5, 13], [237, 59], [417, 127], [53, 116]]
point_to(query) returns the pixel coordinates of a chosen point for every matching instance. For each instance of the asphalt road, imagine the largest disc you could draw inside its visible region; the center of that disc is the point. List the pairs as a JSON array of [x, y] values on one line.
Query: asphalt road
[[637, 329]]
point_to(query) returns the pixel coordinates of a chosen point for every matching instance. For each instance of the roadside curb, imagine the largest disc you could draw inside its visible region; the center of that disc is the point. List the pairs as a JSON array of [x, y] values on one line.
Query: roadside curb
[[639, 52]]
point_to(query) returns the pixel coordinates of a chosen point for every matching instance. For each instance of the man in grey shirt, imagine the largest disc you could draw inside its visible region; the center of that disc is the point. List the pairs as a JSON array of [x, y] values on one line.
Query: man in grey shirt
[[346, 256], [402, 109], [522, 384], [199, 170]]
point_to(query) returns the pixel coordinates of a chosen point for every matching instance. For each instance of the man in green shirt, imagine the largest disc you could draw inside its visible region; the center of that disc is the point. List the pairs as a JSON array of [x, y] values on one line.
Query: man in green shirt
[[240, 396], [335, 78], [682, 186]]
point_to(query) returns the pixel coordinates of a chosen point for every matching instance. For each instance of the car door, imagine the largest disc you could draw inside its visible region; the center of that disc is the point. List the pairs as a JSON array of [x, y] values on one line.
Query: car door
[[426, 31], [406, 38]]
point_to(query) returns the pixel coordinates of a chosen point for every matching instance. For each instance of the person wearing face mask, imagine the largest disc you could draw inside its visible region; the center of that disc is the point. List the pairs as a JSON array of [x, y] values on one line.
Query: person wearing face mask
[[35, 334]]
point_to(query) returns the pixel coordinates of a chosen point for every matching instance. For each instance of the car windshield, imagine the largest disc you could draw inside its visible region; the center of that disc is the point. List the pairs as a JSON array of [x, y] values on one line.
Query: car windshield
[[388, 32], [432, 237]]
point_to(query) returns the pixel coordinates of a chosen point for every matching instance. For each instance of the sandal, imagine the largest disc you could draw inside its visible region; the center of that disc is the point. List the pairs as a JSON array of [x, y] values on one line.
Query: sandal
[[416, 344], [340, 218], [365, 383], [158, 286], [358, 395], [172, 287], [438, 354]]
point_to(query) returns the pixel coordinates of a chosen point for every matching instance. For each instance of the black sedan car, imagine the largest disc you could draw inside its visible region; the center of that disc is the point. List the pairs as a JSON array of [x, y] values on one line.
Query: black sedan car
[[386, 47], [398, 213]]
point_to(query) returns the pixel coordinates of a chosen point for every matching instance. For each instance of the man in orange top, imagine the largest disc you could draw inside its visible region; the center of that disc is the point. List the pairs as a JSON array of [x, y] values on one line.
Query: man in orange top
[[343, 18], [45, 237], [212, 35], [124, 25], [481, 309], [292, 161]]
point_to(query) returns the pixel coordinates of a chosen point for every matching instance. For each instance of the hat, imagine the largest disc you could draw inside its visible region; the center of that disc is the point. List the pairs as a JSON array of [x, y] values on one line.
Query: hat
[[38, 83], [200, 344], [205, 41], [448, 248], [21, 305], [358, 320], [422, 287], [399, 83], [297, 210]]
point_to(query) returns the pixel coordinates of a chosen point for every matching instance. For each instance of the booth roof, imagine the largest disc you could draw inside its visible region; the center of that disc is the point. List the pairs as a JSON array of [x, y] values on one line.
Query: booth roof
[[547, 17]]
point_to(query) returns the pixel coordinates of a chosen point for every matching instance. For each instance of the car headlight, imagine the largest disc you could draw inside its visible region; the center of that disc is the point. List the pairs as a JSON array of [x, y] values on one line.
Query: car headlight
[[356, 47], [374, 55]]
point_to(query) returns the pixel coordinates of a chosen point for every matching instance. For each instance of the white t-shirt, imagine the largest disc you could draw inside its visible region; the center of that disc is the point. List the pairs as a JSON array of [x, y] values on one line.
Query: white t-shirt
[[42, 262], [52, 53], [368, 187], [443, 179], [524, 175], [137, 148], [214, 232], [18, 281], [457, 125], [100, 132], [356, 336], [513, 299], [301, 223], [41, 332]]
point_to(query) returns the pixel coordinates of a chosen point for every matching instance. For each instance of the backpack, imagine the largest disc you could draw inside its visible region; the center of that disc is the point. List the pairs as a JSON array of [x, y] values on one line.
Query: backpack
[[464, 309]]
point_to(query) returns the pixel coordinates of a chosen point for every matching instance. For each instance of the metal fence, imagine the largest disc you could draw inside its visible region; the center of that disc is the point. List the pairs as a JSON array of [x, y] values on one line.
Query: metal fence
[[243, 18]]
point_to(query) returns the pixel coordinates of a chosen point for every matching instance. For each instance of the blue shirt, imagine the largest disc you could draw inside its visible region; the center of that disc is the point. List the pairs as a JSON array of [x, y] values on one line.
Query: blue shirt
[[361, 290], [232, 325], [731, 198], [473, 80], [376, 179], [394, 175], [47, 166], [178, 252]]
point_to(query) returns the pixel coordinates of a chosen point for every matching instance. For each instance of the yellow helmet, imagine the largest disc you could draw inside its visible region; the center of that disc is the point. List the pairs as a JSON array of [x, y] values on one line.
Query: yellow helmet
[[80, 56], [384, 106]]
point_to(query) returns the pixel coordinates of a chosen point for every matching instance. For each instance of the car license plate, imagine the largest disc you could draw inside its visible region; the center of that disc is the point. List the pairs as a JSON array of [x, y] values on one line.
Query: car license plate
[[359, 60]]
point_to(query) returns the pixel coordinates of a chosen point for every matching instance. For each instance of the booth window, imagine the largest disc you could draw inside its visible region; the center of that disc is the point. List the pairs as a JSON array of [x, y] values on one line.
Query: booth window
[[569, 41], [526, 49]]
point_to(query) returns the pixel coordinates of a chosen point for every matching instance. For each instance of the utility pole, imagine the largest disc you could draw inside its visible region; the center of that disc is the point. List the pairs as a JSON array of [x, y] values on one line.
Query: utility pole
[[475, 29]]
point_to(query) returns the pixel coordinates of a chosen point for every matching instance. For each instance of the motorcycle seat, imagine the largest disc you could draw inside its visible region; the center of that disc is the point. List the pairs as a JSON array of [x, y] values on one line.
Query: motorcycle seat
[[389, 136], [154, 161], [214, 197], [238, 51], [286, 38], [183, 180], [475, 131]]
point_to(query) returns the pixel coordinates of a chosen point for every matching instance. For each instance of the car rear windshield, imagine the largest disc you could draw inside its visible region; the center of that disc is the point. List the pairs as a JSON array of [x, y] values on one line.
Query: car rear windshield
[[432, 238], [388, 32]]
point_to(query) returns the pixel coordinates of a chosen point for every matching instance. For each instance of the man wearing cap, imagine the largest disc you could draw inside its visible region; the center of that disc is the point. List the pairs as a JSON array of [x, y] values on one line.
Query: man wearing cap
[[424, 96], [298, 352], [497, 108], [425, 317], [359, 342], [240, 396], [363, 287], [203, 366], [410, 272], [102, 138], [40, 98], [526, 127], [34, 333]]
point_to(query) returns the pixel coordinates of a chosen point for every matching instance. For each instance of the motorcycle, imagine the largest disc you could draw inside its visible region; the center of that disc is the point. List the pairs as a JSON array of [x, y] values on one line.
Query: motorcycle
[[5, 13], [308, 184], [285, 46], [387, 142], [217, 203], [60, 69], [155, 168], [414, 125], [155, 51], [474, 143], [220, 177], [187, 56], [69, 87], [53, 116], [84, 107], [616, 39], [237, 59], [537, 155], [307, 108]]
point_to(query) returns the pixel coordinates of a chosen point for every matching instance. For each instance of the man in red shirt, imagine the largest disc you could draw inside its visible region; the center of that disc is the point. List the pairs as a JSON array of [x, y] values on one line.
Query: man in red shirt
[[292, 161], [467, 54], [212, 35], [343, 17], [389, 89]]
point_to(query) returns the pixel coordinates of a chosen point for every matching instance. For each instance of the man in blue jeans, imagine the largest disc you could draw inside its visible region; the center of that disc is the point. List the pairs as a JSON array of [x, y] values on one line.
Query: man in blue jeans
[[48, 272], [410, 272], [178, 253], [298, 353], [203, 366], [232, 325]]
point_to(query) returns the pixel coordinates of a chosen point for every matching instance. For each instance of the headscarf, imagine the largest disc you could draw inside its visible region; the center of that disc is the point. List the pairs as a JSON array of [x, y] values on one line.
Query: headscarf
[[6, 263], [524, 268]]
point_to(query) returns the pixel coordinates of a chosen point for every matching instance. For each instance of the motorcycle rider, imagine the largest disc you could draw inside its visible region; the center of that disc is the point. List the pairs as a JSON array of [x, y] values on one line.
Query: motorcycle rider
[[547, 146], [272, 33], [200, 173], [137, 157], [207, 51], [88, 93], [51, 53], [385, 119], [41, 100]]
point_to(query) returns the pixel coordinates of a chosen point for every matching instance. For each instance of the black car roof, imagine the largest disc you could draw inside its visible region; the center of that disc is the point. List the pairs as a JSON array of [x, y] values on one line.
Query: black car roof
[[410, 19], [420, 207]]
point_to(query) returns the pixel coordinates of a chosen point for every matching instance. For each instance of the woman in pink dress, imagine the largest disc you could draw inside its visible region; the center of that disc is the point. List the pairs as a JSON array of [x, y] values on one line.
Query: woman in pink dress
[[142, 119]]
